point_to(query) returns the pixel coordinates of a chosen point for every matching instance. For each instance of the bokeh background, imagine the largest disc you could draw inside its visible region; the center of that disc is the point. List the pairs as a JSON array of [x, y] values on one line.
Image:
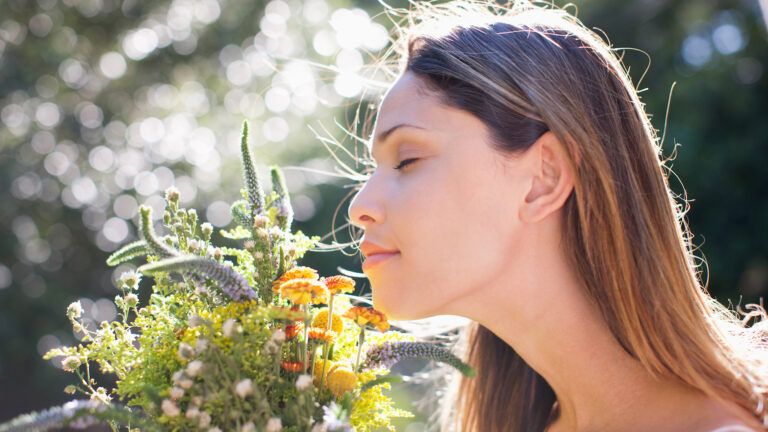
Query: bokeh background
[[106, 103]]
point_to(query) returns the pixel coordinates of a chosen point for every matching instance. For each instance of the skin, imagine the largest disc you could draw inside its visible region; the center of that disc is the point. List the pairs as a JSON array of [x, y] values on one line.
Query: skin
[[478, 236]]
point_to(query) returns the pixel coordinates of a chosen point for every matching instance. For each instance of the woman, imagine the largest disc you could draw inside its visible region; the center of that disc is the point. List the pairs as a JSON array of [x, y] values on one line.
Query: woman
[[518, 184]]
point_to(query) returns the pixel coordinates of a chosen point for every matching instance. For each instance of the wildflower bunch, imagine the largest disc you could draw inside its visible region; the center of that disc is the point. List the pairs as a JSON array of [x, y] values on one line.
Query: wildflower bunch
[[236, 339]]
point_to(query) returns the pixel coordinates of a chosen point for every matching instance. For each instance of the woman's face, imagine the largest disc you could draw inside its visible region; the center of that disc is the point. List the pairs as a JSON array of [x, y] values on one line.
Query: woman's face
[[450, 213]]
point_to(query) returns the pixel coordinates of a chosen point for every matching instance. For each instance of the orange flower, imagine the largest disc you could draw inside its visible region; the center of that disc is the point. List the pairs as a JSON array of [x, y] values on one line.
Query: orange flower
[[339, 284], [365, 315], [292, 366], [294, 273], [291, 330], [322, 334], [302, 291]]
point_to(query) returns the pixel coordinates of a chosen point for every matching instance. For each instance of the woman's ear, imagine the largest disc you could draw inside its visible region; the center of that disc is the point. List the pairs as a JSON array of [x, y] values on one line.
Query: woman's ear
[[552, 179]]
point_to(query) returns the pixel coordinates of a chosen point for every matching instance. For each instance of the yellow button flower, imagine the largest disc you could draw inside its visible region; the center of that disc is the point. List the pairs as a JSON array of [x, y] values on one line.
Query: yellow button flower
[[294, 273], [365, 315], [341, 380], [339, 284], [321, 320], [319, 370]]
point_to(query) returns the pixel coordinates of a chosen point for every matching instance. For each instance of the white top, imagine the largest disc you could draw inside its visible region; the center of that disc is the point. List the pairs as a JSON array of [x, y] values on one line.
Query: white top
[[733, 428]]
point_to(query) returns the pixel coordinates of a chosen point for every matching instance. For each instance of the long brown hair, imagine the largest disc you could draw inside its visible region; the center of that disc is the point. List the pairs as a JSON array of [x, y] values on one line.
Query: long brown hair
[[524, 69]]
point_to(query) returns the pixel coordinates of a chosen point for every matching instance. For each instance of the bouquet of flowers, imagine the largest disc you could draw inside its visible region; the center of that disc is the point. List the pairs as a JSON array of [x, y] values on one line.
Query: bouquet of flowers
[[235, 339]]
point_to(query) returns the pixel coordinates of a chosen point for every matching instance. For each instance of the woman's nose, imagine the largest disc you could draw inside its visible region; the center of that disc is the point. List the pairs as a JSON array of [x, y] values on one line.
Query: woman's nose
[[364, 210]]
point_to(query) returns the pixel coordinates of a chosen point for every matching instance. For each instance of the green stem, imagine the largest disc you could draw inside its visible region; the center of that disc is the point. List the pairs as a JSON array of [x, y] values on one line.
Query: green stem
[[305, 347], [325, 345], [359, 347]]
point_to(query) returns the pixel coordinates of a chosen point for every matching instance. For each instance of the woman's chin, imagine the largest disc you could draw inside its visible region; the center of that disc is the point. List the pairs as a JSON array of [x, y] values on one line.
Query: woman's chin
[[396, 308]]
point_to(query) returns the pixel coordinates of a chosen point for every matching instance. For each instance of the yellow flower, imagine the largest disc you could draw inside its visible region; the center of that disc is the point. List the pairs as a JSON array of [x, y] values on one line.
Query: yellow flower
[[294, 273], [365, 315], [302, 291], [339, 284], [319, 370], [321, 321], [341, 379]]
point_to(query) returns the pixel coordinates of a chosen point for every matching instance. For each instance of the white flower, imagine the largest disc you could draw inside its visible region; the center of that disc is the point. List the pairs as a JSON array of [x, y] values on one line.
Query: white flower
[[228, 328], [186, 383], [248, 427], [177, 376], [278, 336], [169, 408], [75, 310], [271, 347], [244, 387], [319, 427], [274, 425], [131, 299], [214, 429], [176, 393], [185, 350], [201, 345], [207, 229], [193, 245], [197, 400], [100, 395], [204, 419], [194, 367], [192, 412], [303, 382]]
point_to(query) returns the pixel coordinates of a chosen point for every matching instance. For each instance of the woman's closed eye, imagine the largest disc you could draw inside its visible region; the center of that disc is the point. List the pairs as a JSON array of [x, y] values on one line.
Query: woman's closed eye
[[405, 162]]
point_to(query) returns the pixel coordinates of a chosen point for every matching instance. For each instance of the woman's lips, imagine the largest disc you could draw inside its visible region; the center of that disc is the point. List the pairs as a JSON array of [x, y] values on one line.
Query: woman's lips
[[376, 259]]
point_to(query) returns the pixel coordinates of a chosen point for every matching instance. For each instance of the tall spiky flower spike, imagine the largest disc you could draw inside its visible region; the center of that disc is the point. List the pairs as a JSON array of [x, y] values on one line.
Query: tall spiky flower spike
[[231, 282], [283, 203], [255, 192], [389, 353]]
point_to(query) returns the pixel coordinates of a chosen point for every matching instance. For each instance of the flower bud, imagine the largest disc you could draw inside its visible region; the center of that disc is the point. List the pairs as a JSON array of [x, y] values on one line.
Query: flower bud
[[303, 382], [172, 194], [274, 425], [185, 350], [75, 310], [192, 412], [204, 420], [243, 388], [207, 229], [70, 363], [176, 393], [194, 367], [169, 408]]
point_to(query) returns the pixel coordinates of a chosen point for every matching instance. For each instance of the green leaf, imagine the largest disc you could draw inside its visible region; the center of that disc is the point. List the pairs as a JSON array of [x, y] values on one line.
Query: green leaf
[[236, 233]]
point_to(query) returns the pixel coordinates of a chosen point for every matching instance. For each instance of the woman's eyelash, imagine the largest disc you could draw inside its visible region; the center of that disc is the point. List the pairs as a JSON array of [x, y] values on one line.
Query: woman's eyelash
[[405, 162]]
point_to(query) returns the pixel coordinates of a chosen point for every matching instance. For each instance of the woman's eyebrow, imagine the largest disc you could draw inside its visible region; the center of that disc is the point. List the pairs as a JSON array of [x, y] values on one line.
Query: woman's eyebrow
[[382, 137]]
